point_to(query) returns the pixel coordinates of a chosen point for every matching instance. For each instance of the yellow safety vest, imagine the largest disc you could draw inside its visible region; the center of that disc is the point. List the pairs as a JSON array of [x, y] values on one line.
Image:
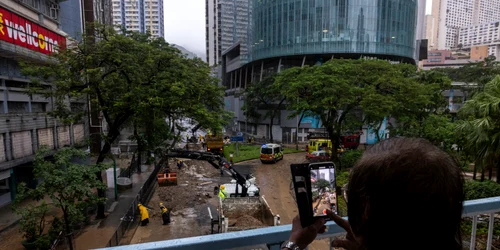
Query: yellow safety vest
[[222, 194]]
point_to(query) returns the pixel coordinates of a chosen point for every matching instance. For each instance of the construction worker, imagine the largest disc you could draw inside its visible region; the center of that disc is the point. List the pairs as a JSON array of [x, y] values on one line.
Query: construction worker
[[222, 192], [165, 214], [179, 164], [144, 214], [201, 138]]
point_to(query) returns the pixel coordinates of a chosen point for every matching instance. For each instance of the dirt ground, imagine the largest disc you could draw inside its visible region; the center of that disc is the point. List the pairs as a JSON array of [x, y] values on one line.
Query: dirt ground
[[189, 209], [188, 202], [274, 182]]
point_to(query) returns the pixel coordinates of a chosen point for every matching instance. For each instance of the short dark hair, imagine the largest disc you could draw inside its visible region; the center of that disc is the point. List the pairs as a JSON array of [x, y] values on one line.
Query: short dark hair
[[405, 193]]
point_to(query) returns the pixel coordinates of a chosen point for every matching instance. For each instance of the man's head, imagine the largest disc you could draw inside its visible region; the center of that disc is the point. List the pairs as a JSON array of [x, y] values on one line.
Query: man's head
[[222, 187], [405, 193]]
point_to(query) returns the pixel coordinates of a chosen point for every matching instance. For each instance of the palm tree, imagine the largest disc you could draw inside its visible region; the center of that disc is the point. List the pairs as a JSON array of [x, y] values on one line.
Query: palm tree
[[482, 126]]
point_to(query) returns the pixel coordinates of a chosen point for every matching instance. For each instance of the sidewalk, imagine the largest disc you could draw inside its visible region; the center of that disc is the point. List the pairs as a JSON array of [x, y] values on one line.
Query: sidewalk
[[8, 218], [98, 234]]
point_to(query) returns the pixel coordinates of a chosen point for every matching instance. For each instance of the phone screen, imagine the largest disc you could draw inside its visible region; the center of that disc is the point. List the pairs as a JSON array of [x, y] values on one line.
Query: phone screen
[[323, 190]]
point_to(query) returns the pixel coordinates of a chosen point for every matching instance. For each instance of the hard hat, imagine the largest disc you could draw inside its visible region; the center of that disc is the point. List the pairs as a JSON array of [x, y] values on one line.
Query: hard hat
[[139, 204], [222, 187], [161, 203]]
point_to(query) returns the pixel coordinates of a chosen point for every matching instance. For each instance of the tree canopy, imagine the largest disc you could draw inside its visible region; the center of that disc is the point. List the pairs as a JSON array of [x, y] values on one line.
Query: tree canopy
[[480, 124], [346, 94], [264, 95], [133, 80], [69, 183]]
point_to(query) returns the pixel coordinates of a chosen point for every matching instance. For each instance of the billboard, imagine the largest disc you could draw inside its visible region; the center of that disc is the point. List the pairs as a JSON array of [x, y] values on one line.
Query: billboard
[[17, 30]]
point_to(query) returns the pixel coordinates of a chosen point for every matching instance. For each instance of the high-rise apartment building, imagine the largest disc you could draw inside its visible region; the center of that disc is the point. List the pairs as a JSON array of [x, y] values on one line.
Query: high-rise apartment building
[[140, 16], [448, 16], [212, 32], [486, 11], [228, 24]]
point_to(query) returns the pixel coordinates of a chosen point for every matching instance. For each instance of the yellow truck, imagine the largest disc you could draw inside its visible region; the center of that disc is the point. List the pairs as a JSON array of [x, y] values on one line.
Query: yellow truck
[[215, 144]]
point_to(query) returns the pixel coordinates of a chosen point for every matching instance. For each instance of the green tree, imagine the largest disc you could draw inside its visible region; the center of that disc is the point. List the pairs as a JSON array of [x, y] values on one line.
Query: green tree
[[481, 125], [134, 80], [264, 95], [321, 184], [422, 108], [474, 72], [68, 182], [338, 89]]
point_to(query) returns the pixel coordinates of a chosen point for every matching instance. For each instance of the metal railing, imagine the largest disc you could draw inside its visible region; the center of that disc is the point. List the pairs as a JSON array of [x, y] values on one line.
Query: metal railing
[[272, 237], [130, 216]]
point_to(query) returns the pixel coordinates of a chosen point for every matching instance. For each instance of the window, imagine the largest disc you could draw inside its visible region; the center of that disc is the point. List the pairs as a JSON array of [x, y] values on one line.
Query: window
[[434, 60], [38, 107], [17, 107]]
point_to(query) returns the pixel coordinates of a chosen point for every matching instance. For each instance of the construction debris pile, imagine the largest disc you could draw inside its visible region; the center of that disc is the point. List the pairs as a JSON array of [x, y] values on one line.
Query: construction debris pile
[[195, 184]]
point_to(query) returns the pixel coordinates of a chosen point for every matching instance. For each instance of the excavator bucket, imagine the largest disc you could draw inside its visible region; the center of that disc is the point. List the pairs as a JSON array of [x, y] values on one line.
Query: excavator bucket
[[169, 179]]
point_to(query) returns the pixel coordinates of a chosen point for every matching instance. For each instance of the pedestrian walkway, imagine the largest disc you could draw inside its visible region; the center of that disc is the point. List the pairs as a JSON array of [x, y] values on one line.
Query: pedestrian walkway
[[9, 218], [97, 235]]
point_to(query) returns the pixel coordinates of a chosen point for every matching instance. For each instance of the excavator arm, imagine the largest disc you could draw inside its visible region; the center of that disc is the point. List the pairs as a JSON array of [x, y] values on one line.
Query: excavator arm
[[217, 161]]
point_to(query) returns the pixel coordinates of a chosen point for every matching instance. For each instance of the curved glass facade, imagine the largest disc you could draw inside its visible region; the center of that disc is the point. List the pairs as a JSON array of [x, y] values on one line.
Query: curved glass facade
[[367, 27]]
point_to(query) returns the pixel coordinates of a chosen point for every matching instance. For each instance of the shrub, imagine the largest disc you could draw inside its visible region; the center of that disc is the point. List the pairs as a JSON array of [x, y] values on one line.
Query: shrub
[[477, 190], [342, 178], [350, 157]]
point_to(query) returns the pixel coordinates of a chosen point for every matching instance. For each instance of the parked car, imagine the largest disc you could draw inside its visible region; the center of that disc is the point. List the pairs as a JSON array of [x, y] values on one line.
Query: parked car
[[318, 156]]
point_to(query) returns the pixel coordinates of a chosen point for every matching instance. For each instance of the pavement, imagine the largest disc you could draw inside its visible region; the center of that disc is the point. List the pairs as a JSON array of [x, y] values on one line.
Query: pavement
[[98, 234]]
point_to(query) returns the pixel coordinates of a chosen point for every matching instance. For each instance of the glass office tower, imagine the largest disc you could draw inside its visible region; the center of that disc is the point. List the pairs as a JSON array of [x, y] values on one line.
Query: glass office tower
[[308, 27]]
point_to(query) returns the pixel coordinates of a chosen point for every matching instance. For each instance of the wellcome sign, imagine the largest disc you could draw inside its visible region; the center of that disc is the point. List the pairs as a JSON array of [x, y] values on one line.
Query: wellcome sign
[[19, 31]]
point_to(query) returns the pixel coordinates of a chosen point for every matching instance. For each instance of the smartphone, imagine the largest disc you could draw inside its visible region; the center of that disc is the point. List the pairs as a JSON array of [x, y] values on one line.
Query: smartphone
[[315, 192], [323, 191]]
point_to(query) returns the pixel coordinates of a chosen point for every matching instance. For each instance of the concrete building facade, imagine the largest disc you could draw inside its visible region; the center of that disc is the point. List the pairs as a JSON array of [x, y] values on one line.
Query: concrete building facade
[[294, 33], [228, 22], [212, 32], [140, 16], [449, 16], [481, 34], [29, 31]]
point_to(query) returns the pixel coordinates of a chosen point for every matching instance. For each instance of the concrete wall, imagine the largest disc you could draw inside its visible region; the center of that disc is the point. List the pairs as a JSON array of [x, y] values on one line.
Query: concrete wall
[[46, 137], [22, 144], [63, 136]]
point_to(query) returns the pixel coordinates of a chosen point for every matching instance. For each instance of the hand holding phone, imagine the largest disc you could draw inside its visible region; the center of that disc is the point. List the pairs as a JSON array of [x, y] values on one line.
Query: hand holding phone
[[315, 189]]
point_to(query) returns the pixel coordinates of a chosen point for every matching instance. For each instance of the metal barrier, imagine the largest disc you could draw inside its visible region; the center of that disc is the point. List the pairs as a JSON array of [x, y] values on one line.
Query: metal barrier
[[272, 237], [142, 197]]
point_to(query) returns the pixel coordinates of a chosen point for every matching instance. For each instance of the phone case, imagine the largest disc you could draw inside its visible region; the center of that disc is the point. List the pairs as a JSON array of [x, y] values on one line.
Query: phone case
[[302, 185]]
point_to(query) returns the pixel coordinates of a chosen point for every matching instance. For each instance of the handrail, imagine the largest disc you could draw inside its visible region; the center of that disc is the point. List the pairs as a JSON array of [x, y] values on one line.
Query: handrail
[[276, 235]]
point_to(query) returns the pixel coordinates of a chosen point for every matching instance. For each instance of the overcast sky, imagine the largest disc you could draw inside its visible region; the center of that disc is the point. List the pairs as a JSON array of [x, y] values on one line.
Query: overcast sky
[[185, 24]]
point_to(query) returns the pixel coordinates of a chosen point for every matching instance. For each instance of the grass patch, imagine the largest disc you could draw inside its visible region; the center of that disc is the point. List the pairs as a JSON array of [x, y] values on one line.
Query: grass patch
[[249, 151], [293, 150], [246, 152]]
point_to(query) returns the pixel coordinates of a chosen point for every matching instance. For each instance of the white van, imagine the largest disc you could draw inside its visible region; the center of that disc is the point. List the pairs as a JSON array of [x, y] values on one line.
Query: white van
[[252, 188], [271, 153]]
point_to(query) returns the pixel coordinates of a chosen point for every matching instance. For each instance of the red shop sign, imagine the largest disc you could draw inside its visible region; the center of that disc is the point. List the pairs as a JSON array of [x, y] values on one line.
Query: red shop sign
[[19, 31]]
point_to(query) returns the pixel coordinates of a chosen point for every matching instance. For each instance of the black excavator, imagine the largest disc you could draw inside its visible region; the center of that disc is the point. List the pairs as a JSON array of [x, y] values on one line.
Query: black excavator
[[244, 186]]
